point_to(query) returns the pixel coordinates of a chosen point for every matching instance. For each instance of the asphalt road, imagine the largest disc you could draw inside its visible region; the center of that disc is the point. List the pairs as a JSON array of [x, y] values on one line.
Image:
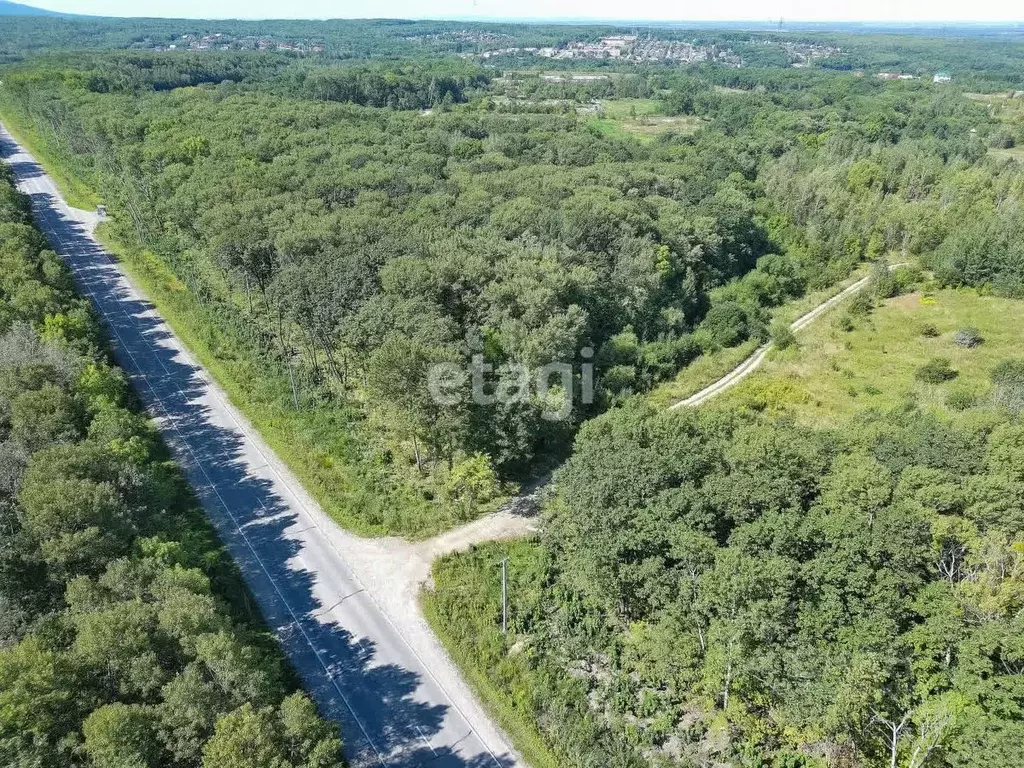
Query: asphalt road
[[370, 667]]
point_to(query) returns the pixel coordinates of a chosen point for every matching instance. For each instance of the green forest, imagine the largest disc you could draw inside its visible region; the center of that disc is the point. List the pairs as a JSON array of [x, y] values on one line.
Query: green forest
[[732, 586], [353, 227], [126, 634], [728, 589]]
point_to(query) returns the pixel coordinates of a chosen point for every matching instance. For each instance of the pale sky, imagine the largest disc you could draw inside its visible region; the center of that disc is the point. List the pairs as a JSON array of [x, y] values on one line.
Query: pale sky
[[661, 10]]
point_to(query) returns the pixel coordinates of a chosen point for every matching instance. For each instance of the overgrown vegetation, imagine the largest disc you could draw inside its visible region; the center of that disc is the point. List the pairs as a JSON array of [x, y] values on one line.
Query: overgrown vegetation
[[785, 580]]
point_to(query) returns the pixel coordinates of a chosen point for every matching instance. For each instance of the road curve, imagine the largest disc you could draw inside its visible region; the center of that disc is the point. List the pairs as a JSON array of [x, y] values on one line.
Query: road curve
[[753, 362], [342, 607]]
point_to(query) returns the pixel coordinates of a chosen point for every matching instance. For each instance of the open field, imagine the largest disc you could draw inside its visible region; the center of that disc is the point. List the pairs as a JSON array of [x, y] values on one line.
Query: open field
[[641, 118], [617, 109], [833, 373]]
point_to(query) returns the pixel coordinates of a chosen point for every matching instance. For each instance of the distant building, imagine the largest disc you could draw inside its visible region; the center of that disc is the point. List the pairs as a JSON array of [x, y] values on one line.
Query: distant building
[[942, 77]]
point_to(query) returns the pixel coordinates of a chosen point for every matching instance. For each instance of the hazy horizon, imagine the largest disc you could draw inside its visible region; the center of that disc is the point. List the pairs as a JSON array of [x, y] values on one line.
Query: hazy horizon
[[877, 12]]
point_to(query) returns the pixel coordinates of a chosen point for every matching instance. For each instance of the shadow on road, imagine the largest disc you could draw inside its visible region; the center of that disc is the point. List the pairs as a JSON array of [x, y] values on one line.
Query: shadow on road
[[382, 722]]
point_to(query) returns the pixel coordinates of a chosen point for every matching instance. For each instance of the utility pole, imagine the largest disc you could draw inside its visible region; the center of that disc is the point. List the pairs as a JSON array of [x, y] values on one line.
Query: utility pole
[[295, 391], [504, 596]]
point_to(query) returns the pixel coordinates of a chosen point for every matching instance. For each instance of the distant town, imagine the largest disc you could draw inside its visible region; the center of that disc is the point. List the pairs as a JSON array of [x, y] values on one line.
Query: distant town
[[625, 48], [938, 77], [491, 45]]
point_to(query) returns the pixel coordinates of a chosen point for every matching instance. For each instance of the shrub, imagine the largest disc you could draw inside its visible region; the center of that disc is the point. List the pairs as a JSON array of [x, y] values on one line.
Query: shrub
[[1008, 384], [936, 371], [1002, 140], [726, 324], [929, 331], [845, 323], [968, 337], [782, 335], [619, 379], [621, 349], [773, 397], [907, 278], [472, 481], [860, 305], [961, 399], [883, 283], [657, 359], [686, 349]]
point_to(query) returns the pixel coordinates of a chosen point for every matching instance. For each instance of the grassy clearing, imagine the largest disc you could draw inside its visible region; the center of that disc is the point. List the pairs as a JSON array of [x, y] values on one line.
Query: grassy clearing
[[833, 373], [1004, 106], [73, 190], [641, 118], [617, 109], [464, 610], [1008, 109]]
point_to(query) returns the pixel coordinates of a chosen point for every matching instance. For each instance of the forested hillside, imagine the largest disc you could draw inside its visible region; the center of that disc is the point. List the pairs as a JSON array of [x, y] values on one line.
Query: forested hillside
[[125, 632], [353, 247]]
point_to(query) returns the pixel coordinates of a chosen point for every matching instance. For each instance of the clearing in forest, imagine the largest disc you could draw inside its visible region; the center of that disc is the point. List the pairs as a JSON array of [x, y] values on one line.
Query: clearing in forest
[[833, 372]]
